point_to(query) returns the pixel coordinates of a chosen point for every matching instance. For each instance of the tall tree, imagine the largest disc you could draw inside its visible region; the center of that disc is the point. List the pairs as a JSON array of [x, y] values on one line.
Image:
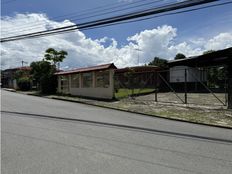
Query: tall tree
[[54, 56], [162, 63], [179, 56], [43, 71]]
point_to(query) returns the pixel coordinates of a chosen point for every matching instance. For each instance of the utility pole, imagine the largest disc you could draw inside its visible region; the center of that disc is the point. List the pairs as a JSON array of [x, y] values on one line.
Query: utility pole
[[23, 62], [139, 50]]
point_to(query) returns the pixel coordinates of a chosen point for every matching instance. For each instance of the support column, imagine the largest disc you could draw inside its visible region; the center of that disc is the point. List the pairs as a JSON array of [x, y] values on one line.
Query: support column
[[69, 84], [111, 76], [59, 84], [229, 86], [94, 79]]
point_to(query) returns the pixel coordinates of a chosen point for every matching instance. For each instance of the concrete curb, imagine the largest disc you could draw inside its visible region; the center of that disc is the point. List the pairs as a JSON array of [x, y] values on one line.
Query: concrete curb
[[133, 112], [144, 114]]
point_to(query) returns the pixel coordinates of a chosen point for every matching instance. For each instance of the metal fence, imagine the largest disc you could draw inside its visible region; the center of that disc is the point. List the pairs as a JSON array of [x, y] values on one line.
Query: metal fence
[[181, 85]]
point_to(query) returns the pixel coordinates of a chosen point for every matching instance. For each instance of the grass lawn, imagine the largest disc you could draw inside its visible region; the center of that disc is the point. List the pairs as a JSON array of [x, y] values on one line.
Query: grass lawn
[[122, 92]]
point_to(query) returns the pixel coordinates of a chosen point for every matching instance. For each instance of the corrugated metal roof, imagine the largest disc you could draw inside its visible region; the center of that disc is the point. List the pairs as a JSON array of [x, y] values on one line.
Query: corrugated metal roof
[[219, 57], [138, 69], [88, 69]]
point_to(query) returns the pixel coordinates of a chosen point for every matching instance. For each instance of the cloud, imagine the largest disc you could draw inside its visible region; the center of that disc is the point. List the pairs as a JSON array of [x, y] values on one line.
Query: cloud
[[84, 51], [223, 40]]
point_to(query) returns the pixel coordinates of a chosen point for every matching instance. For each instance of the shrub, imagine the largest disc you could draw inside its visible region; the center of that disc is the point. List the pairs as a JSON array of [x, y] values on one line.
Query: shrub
[[24, 83]]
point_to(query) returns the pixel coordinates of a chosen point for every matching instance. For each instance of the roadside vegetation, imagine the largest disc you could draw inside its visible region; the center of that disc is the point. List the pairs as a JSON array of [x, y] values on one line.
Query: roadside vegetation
[[43, 71]]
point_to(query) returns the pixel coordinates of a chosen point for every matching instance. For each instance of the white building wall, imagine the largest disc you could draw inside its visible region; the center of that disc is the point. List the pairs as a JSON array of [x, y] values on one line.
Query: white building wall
[[177, 74], [94, 92]]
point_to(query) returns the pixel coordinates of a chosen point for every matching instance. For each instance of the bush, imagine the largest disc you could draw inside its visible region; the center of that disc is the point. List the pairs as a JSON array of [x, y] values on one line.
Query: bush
[[24, 83]]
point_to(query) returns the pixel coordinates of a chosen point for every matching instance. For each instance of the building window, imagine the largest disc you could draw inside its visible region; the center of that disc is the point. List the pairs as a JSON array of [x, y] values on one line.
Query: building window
[[64, 83], [87, 80], [102, 79], [75, 80]]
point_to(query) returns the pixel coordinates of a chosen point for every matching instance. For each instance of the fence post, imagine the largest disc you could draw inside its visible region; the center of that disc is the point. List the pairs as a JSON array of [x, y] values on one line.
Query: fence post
[[156, 86], [185, 86]]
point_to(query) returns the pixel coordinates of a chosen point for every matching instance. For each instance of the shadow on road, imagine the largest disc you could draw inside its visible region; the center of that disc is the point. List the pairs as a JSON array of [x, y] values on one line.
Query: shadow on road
[[121, 126]]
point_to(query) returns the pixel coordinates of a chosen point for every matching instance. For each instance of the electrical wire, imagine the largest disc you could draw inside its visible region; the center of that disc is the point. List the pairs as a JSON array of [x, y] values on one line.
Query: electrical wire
[[108, 21], [94, 13], [86, 17]]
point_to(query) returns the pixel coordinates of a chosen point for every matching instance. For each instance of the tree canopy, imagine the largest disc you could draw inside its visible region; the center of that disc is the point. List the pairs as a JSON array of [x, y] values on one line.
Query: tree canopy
[[55, 56], [179, 56], [208, 51], [157, 61], [43, 71]]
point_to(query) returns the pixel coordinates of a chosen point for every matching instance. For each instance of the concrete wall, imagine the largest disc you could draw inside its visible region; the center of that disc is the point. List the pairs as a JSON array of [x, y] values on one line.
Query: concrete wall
[[94, 92]]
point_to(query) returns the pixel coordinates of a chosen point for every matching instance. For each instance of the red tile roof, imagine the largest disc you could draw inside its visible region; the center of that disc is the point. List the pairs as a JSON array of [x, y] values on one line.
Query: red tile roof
[[88, 69]]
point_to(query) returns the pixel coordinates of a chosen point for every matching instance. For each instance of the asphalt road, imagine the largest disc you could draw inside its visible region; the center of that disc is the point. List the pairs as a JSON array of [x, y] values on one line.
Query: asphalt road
[[45, 136]]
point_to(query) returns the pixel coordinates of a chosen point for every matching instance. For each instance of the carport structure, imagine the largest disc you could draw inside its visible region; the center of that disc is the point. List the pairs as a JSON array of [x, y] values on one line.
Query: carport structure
[[216, 58]]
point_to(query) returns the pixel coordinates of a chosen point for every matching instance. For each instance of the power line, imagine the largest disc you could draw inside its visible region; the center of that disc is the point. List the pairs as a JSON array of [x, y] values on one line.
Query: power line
[[92, 15], [156, 16], [95, 11], [116, 19], [74, 27]]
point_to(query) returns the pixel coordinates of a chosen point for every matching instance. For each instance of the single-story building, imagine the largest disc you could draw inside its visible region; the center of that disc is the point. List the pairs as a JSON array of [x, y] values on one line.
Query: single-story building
[[94, 82], [8, 76]]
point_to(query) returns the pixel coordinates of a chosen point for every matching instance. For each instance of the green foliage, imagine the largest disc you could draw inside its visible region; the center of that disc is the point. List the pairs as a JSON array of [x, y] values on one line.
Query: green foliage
[[54, 56], [162, 63], [43, 73], [24, 83], [18, 74], [23, 80], [21, 73], [216, 77], [179, 56], [209, 51], [122, 92]]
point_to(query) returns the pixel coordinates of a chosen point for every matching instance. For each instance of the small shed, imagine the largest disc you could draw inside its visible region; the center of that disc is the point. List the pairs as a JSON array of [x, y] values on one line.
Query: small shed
[[94, 82]]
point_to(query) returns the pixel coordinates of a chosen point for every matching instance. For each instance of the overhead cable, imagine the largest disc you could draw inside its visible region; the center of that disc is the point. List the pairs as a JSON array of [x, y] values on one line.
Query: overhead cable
[[116, 19]]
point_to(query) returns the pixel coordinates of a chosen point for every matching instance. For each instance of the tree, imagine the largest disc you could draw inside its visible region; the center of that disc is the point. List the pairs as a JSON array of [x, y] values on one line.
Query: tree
[[162, 63], [23, 80], [207, 52], [216, 75], [55, 56], [43, 71], [24, 83], [179, 56]]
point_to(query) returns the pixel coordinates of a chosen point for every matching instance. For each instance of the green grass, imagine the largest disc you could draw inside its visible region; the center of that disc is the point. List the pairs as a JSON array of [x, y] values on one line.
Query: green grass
[[122, 93]]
